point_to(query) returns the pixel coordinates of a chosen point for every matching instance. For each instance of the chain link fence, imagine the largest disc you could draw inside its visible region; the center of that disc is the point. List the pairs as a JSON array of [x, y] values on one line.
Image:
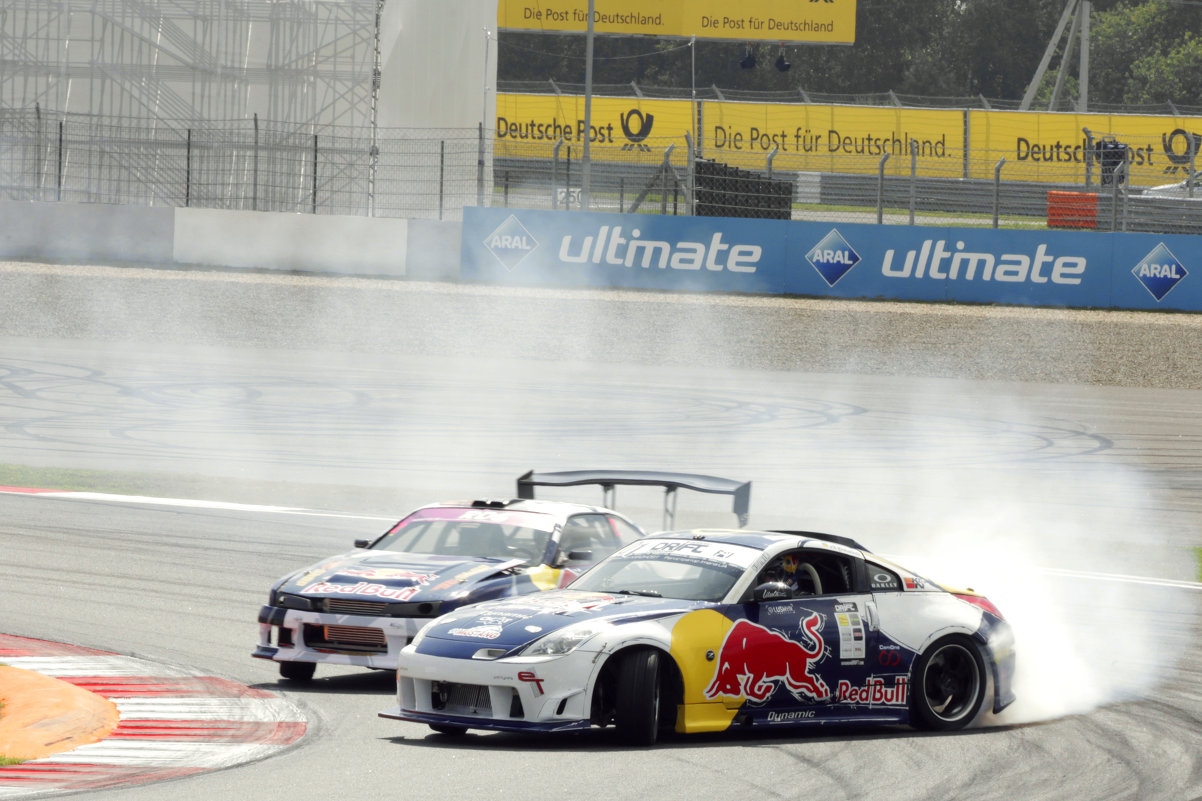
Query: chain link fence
[[433, 174]]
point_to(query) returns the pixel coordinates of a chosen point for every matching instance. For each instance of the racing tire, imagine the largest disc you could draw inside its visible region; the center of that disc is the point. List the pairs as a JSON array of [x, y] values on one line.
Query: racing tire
[[948, 685], [636, 704], [449, 731], [298, 671]]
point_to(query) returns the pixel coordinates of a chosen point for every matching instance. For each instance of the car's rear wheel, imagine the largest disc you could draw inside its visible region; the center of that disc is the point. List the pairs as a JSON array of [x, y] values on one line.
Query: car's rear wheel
[[948, 684], [450, 731], [636, 703], [297, 671]]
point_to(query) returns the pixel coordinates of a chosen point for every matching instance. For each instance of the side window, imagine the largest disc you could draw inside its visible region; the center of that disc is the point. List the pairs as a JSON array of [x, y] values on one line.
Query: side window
[[625, 532], [882, 579], [810, 572], [589, 533]]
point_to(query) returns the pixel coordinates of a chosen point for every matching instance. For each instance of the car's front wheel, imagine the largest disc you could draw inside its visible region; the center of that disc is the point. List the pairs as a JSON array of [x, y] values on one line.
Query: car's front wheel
[[297, 671], [636, 703], [948, 684]]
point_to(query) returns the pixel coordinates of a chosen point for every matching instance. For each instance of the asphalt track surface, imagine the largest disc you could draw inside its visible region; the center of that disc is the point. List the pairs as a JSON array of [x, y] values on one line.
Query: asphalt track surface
[[1050, 459]]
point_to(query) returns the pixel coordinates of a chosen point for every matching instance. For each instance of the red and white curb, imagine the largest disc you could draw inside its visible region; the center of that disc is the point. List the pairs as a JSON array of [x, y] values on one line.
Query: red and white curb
[[173, 721]]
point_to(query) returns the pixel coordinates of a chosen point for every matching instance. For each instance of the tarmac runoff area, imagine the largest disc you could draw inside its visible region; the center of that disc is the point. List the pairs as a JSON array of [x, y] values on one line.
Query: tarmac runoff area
[[82, 719]]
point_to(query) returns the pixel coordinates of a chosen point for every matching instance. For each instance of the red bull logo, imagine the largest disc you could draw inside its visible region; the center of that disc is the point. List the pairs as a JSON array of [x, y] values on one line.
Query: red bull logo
[[874, 692], [753, 659]]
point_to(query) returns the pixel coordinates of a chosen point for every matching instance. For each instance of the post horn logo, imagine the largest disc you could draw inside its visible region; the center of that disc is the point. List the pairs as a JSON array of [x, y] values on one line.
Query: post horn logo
[[645, 121], [1179, 162]]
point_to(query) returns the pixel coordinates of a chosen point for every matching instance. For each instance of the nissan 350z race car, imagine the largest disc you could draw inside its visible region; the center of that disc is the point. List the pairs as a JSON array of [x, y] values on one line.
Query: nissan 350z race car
[[711, 630], [361, 607]]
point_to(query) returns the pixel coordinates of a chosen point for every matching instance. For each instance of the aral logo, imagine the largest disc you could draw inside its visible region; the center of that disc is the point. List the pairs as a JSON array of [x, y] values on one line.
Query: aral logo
[[1160, 271], [510, 242], [833, 258]]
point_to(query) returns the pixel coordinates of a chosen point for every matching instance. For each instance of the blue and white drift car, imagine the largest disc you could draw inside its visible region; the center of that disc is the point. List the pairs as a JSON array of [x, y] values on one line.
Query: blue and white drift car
[[361, 607], [710, 630]]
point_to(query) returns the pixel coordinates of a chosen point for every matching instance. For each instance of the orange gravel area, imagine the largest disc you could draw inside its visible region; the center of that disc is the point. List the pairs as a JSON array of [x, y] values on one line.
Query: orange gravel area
[[43, 715]]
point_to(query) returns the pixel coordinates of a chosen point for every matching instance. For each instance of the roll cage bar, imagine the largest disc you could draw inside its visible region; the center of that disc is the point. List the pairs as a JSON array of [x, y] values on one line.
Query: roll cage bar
[[609, 479]]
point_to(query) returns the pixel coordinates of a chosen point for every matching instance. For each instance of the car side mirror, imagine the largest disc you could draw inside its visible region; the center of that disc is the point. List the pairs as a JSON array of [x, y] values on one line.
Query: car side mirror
[[362, 543], [772, 591]]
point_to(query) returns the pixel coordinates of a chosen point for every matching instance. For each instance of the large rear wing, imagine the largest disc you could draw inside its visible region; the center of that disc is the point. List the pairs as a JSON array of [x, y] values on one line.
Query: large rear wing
[[609, 479]]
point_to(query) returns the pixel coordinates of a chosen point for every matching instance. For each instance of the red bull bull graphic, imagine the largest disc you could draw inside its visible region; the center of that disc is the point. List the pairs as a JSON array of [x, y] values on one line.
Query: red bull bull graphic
[[753, 659]]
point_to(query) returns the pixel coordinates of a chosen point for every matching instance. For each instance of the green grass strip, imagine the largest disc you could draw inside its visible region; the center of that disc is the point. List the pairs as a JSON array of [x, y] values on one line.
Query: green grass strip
[[1198, 554]]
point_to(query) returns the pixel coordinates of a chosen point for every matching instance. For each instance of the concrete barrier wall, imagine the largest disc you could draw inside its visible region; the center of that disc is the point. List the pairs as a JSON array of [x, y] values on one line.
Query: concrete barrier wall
[[72, 232], [342, 245], [291, 242]]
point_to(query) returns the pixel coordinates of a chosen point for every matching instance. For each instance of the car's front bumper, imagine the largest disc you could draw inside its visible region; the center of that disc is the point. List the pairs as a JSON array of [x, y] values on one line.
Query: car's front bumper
[[513, 694], [293, 635]]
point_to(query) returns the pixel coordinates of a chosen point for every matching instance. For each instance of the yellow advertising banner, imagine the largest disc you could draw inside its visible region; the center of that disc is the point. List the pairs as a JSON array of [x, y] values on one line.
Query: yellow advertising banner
[[828, 21], [1041, 146], [801, 137], [855, 139], [623, 129]]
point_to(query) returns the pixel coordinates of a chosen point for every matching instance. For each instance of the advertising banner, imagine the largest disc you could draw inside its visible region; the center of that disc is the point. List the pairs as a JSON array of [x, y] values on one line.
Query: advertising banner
[[968, 265], [1041, 146], [623, 129], [816, 138], [829, 21]]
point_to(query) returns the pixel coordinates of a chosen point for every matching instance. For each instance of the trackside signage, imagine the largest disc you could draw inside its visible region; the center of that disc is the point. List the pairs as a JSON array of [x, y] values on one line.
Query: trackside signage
[[696, 254]]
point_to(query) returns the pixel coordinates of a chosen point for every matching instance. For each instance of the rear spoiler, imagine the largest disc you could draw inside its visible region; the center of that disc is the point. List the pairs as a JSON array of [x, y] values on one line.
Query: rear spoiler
[[608, 479]]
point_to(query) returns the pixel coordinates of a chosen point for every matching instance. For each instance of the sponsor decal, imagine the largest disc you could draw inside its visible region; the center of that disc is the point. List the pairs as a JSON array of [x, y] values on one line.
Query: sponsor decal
[[884, 581], [1160, 271], [478, 632], [1180, 148], [529, 677], [609, 247], [460, 578], [635, 136], [510, 243], [874, 692], [914, 583], [785, 717], [363, 588], [889, 656], [832, 257], [934, 260], [395, 574], [755, 660]]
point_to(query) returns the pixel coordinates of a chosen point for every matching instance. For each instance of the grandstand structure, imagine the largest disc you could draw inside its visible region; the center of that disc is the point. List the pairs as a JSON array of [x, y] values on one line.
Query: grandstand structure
[[309, 62]]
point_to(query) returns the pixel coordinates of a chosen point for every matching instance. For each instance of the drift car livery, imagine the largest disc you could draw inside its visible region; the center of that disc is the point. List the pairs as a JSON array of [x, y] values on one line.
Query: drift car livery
[[363, 606], [710, 630]]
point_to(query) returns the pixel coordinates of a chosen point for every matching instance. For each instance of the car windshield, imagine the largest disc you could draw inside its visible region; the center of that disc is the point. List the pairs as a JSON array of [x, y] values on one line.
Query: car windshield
[[684, 569], [471, 533]]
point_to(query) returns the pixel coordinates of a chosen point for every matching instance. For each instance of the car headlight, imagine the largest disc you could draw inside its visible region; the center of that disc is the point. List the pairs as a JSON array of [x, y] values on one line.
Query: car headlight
[[567, 639]]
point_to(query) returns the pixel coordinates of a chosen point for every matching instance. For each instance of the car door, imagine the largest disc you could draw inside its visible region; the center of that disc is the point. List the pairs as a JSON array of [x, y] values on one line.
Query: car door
[[807, 653]]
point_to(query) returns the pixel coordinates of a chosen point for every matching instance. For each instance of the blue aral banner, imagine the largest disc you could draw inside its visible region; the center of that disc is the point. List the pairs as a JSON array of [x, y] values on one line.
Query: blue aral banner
[[705, 254]]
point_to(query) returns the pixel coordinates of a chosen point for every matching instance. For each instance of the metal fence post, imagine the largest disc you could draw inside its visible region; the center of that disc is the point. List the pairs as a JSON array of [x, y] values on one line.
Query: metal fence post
[[254, 188], [314, 173], [442, 169], [880, 191], [997, 189], [480, 166], [913, 177], [690, 199], [59, 193], [1117, 177], [555, 175], [1087, 157], [188, 171]]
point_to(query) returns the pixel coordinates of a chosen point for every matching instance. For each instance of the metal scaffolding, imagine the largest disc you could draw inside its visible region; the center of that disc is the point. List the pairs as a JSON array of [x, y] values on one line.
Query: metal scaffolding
[[291, 61]]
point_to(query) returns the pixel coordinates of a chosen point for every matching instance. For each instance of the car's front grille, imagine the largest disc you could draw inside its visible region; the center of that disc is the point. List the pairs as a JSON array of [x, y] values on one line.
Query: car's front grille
[[345, 606], [460, 699], [361, 639]]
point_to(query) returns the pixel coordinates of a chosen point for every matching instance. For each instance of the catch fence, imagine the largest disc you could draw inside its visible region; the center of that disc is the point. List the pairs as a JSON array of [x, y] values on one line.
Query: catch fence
[[434, 173]]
